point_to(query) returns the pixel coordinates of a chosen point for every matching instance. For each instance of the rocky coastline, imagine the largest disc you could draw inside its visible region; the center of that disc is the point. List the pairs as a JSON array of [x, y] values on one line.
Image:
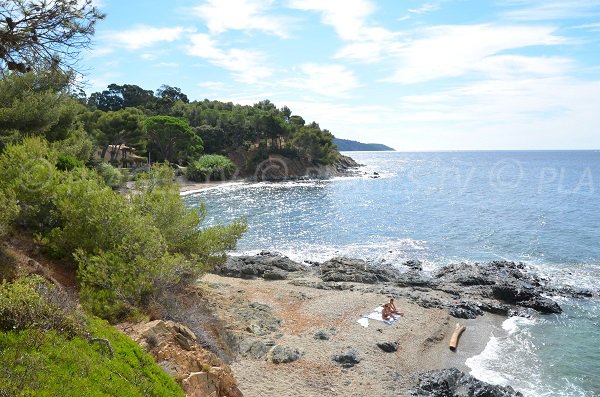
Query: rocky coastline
[[295, 324]]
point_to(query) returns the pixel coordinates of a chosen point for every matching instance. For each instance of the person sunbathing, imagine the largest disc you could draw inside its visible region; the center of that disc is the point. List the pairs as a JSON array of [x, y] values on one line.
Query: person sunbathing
[[386, 313], [393, 309]]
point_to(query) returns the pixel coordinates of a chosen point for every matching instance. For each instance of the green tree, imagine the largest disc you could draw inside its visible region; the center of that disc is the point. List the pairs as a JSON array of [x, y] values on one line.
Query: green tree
[[172, 138], [40, 33], [36, 104], [116, 129]]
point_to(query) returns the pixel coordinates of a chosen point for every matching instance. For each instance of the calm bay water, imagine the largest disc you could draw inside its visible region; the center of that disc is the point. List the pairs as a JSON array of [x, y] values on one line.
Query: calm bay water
[[538, 207]]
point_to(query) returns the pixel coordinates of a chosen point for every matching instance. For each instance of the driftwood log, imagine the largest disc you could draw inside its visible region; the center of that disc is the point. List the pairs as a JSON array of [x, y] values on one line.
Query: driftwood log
[[458, 330]]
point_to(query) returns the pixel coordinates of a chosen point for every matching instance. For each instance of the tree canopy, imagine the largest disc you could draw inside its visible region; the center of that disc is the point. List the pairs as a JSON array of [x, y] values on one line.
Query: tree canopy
[[36, 34]]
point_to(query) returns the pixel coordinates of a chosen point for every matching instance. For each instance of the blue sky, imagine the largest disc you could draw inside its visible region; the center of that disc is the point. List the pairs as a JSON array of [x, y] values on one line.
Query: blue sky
[[416, 75]]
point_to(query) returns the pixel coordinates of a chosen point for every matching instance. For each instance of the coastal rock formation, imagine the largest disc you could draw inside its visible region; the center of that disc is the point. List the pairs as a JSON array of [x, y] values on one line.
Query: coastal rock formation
[[356, 270], [507, 282], [270, 266], [466, 290], [174, 346], [455, 383]]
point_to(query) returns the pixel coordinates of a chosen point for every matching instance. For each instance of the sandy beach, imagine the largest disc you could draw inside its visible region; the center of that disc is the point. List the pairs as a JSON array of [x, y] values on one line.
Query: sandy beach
[[422, 335]]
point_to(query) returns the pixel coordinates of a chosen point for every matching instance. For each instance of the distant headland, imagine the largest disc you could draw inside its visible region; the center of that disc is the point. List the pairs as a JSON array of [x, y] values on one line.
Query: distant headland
[[347, 145]]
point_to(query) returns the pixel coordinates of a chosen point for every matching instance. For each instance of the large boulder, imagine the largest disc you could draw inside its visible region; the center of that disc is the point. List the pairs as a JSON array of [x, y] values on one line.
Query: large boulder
[[268, 265], [356, 270], [455, 383], [284, 354]]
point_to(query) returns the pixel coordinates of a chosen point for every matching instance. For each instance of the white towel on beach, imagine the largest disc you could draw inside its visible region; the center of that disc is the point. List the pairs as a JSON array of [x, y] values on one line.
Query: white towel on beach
[[376, 315]]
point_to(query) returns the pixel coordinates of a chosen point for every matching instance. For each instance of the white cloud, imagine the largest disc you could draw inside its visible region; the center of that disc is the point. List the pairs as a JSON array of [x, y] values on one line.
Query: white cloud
[[326, 80], [424, 9], [248, 66], [223, 15], [455, 50], [542, 10], [350, 19], [145, 36], [592, 27]]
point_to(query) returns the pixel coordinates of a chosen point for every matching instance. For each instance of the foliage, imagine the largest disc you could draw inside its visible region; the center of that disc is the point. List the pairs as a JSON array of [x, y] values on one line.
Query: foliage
[[172, 138], [315, 145], [32, 302], [115, 129], [67, 162], [210, 167], [112, 176], [28, 170], [48, 364], [37, 33], [37, 104], [9, 212]]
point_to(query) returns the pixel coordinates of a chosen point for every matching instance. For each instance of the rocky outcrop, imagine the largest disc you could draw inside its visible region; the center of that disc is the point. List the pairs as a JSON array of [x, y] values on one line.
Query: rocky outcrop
[[267, 265], [284, 354], [174, 346], [356, 270], [507, 282], [499, 287], [455, 383]]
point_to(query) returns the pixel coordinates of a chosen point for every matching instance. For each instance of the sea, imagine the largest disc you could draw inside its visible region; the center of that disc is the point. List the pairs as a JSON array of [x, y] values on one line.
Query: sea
[[541, 208]]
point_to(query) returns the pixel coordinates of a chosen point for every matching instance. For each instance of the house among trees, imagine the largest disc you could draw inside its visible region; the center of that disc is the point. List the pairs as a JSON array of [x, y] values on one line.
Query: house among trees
[[120, 155]]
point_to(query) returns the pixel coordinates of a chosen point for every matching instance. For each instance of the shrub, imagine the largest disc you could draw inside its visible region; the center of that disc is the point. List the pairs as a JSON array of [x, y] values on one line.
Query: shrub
[[211, 167], [112, 176], [32, 302], [28, 170], [9, 211], [48, 364], [67, 162]]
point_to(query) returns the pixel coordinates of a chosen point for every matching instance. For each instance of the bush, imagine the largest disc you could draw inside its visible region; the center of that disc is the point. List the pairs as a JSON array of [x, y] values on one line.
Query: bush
[[28, 171], [32, 302], [67, 162], [48, 364], [9, 211], [211, 167], [112, 176]]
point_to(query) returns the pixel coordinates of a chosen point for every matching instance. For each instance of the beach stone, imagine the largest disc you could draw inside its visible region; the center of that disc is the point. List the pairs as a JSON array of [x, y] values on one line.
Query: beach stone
[[348, 359], [322, 335], [255, 348], [465, 310], [388, 347], [284, 354], [455, 383]]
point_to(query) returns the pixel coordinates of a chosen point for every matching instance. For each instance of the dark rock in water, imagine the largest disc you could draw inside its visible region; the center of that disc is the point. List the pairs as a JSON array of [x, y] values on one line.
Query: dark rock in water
[[455, 383], [414, 264], [284, 354], [356, 270], [348, 359], [465, 310], [270, 266], [503, 281], [388, 347], [542, 305]]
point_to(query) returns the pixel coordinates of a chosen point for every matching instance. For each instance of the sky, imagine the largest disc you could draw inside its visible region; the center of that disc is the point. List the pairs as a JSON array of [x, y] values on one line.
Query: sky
[[415, 75]]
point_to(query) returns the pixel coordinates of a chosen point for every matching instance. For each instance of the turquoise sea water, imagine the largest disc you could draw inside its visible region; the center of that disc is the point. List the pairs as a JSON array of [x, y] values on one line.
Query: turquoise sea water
[[542, 208]]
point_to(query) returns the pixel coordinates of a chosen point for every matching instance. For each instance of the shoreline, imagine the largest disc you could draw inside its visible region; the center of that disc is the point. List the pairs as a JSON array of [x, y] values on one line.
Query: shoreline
[[422, 334]]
